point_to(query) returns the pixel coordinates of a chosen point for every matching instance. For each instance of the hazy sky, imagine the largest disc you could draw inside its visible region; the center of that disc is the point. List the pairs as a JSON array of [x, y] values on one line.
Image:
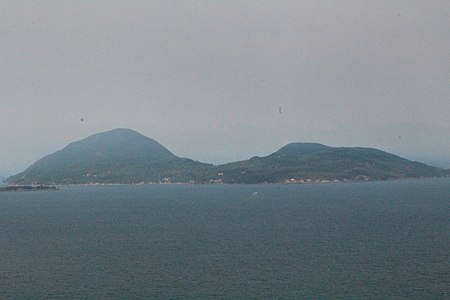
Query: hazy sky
[[207, 79]]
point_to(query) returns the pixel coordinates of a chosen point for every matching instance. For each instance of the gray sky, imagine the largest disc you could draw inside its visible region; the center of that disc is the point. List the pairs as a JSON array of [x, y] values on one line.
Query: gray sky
[[207, 78]]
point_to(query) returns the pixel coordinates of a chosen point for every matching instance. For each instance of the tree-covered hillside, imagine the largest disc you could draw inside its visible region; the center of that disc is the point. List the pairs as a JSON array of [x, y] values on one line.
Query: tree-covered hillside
[[117, 156], [305, 162], [125, 156]]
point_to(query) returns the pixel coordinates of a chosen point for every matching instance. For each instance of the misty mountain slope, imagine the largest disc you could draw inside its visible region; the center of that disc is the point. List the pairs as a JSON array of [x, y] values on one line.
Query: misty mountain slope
[[125, 156], [313, 161], [116, 156]]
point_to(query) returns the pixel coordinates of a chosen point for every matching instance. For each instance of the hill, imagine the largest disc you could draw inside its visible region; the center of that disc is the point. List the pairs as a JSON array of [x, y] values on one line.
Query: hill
[[116, 156], [310, 162], [126, 156]]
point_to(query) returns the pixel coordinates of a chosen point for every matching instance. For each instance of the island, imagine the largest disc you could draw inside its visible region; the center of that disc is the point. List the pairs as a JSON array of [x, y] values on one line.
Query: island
[[124, 156]]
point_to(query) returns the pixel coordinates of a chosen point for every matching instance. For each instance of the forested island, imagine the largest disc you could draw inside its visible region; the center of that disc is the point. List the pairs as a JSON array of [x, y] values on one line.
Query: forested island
[[125, 156]]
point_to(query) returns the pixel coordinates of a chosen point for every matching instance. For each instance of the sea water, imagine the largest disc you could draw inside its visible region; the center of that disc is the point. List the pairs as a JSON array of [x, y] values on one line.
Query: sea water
[[371, 240]]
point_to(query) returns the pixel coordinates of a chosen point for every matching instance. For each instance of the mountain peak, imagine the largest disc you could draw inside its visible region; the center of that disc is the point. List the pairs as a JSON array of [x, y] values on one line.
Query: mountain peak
[[120, 143], [117, 134], [112, 156], [295, 149]]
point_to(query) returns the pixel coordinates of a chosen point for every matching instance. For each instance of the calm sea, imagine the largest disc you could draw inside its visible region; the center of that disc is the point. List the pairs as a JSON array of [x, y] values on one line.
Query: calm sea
[[371, 240]]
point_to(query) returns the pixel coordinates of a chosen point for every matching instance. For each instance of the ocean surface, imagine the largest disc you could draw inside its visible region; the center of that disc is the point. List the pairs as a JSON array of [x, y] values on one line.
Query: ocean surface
[[369, 240]]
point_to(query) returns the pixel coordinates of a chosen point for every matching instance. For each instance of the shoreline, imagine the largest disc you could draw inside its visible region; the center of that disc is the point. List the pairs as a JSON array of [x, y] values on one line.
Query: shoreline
[[16, 188], [55, 186]]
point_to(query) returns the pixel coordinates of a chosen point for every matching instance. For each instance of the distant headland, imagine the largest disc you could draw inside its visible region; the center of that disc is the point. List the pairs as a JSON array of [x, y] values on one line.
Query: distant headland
[[124, 156], [14, 188]]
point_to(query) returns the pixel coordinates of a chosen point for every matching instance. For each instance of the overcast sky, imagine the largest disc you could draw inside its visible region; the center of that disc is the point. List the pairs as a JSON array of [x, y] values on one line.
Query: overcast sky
[[219, 81]]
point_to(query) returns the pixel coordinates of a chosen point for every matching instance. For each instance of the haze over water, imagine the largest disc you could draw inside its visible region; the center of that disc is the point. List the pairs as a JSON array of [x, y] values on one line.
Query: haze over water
[[221, 81], [371, 240]]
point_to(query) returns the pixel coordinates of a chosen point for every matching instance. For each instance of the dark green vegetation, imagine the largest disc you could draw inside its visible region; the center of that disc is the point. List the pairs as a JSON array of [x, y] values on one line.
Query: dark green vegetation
[[117, 156], [15, 188], [125, 156], [310, 162]]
